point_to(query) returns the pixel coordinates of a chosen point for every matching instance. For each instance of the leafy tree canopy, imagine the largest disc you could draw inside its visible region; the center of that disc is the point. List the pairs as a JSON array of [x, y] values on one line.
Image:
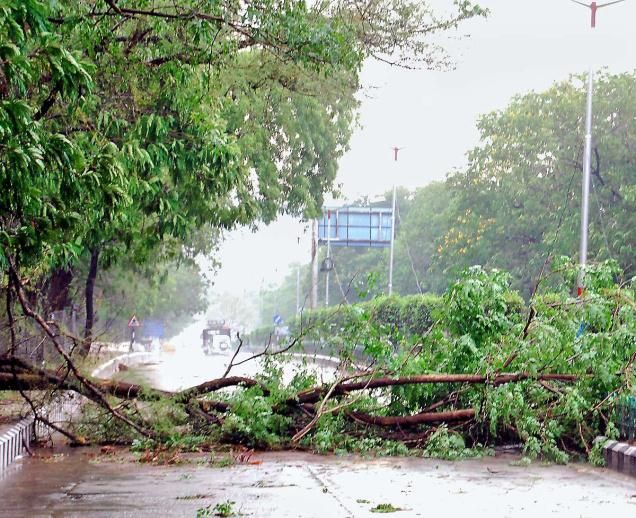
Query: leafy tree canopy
[[519, 200], [126, 121], [127, 126]]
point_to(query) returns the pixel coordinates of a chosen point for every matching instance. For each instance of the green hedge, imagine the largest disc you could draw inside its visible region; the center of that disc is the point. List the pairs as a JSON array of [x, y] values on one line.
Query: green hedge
[[410, 315]]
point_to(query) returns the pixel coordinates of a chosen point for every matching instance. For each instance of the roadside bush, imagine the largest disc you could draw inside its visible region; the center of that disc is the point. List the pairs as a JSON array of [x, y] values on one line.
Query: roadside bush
[[419, 312], [478, 305], [408, 316]]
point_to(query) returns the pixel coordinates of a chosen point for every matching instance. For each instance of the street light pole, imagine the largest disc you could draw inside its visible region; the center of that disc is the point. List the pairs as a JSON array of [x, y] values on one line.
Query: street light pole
[[392, 243], [585, 198], [313, 302], [395, 157], [587, 158], [298, 281], [328, 256]]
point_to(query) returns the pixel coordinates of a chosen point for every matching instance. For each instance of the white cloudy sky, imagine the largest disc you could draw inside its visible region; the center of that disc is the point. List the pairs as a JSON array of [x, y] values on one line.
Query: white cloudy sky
[[523, 45]]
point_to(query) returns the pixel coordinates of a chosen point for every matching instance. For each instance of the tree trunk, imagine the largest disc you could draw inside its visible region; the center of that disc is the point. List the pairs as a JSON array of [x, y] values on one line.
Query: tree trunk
[[410, 420], [316, 394], [89, 293], [59, 285]]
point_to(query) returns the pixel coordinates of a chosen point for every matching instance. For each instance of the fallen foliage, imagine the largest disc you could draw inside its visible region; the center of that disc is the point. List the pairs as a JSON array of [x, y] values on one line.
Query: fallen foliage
[[546, 376]]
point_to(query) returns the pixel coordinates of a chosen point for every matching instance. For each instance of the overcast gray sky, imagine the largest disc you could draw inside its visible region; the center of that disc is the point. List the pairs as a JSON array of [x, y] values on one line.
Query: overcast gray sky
[[521, 46]]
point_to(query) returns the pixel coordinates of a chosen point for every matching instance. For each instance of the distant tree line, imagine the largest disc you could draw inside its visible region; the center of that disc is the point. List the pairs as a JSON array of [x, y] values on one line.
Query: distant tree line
[[517, 203]]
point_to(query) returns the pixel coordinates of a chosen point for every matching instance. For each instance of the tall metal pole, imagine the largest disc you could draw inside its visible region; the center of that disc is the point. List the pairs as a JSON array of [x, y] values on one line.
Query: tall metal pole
[[585, 198], [395, 157], [587, 159], [313, 302], [392, 243], [328, 256]]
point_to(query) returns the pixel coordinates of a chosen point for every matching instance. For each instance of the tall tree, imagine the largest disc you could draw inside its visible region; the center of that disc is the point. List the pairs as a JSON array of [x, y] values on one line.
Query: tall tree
[[519, 200], [121, 119]]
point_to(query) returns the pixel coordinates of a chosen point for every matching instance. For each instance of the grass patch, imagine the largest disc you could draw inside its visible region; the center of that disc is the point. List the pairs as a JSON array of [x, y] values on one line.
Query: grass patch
[[385, 508]]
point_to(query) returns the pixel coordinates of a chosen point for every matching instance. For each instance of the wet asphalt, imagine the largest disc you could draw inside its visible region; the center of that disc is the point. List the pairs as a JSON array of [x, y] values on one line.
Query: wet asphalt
[[292, 484]]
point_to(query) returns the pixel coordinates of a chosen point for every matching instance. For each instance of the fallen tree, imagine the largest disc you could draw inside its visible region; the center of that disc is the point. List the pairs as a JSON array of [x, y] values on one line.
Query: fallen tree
[[531, 377], [315, 394], [17, 374]]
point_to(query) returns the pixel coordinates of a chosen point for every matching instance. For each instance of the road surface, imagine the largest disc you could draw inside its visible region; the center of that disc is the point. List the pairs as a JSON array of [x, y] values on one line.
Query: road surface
[[293, 484], [185, 364]]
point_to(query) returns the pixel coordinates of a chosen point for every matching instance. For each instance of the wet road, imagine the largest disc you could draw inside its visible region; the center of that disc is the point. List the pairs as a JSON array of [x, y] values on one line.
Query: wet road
[[186, 365], [83, 483], [301, 485]]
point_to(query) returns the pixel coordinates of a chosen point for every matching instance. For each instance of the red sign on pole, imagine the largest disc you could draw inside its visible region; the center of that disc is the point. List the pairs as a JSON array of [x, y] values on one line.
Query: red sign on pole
[[134, 322]]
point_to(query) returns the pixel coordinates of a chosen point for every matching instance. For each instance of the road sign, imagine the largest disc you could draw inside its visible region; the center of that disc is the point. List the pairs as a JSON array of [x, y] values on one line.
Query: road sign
[[356, 227], [278, 320], [134, 322]]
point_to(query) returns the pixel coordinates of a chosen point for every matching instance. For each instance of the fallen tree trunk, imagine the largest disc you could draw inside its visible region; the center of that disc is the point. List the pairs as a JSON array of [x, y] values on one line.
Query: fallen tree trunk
[[38, 379], [51, 381], [27, 381], [218, 384], [17, 374], [316, 394], [450, 416]]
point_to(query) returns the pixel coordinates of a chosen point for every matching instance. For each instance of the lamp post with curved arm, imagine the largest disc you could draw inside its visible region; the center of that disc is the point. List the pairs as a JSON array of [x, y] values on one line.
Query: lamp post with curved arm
[[587, 158]]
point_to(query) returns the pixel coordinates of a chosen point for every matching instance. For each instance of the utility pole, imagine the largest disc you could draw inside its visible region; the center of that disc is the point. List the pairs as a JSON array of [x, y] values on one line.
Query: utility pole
[[328, 257], [313, 302], [395, 157], [297, 289], [587, 158]]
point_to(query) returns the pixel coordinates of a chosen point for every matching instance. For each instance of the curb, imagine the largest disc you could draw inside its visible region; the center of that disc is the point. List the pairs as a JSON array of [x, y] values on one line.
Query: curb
[[619, 456], [109, 368], [15, 440]]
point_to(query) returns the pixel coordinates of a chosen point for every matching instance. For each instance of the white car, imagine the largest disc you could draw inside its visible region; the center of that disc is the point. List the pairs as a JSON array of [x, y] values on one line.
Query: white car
[[216, 343], [221, 343]]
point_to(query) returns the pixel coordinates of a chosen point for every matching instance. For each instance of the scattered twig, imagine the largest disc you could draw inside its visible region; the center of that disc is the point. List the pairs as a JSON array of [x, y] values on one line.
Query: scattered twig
[[299, 435]]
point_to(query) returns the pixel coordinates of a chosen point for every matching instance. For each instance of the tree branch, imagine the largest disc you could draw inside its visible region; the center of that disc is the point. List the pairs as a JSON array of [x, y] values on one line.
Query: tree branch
[[314, 395], [410, 420]]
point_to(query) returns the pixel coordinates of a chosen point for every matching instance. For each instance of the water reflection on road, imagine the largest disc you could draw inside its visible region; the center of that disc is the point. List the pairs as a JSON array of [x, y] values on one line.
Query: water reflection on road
[[183, 364]]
